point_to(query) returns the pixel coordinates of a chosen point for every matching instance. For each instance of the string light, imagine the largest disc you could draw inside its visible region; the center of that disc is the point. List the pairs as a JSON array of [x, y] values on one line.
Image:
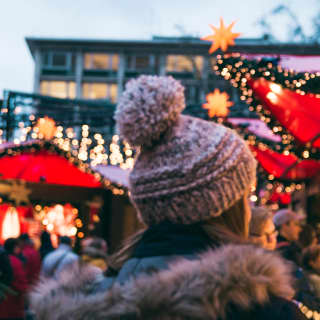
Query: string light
[[238, 69], [81, 152]]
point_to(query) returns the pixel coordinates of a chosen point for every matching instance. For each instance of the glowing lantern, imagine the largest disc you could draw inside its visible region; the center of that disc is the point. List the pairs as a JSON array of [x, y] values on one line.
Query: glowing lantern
[[11, 224], [46, 128], [217, 104], [222, 37], [60, 220]]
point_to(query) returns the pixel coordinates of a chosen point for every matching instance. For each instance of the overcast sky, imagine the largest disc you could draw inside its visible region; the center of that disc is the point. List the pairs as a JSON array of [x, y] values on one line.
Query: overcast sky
[[122, 19]]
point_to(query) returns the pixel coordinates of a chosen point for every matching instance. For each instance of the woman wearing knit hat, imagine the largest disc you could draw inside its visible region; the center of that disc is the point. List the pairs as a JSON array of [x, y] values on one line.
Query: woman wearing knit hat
[[190, 187]]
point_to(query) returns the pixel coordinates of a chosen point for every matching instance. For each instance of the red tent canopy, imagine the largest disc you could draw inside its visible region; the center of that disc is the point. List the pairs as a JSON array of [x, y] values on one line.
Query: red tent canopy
[[300, 114], [286, 167], [42, 165]]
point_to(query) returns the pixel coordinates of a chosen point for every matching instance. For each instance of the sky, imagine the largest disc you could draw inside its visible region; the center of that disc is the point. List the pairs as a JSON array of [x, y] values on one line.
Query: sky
[[124, 19]]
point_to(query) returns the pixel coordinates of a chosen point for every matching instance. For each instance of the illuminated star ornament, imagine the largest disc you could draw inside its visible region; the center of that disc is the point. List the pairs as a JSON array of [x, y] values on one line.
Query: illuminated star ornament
[[46, 128], [222, 37], [217, 104], [19, 192]]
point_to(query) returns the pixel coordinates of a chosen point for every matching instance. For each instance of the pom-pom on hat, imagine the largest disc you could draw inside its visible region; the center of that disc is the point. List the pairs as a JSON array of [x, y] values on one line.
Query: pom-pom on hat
[[148, 107], [187, 169]]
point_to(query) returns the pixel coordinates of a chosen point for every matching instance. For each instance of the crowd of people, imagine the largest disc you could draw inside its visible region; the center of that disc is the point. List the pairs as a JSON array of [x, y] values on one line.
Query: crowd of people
[[22, 266], [204, 253]]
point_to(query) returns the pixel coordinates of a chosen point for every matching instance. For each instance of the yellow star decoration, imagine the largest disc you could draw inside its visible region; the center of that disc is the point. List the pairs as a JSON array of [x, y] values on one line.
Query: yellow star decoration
[[46, 128], [217, 104], [19, 192], [222, 37]]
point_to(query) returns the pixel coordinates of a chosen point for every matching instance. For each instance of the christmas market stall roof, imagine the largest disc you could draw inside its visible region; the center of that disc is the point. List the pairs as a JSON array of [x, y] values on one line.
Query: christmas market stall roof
[[286, 167], [42, 161], [114, 173], [299, 114]]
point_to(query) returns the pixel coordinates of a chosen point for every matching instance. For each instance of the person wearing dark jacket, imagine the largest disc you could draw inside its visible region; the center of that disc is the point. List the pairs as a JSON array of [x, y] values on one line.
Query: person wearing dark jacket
[[46, 244], [289, 227], [32, 259], [307, 237], [311, 263], [6, 273], [190, 186], [12, 307]]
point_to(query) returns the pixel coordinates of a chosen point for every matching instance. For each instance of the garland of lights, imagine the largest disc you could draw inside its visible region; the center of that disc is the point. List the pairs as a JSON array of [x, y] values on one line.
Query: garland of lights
[[237, 70], [38, 145]]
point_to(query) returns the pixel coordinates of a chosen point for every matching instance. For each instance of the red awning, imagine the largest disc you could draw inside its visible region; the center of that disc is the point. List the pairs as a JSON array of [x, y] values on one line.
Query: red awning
[[299, 114], [286, 167], [47, 167]]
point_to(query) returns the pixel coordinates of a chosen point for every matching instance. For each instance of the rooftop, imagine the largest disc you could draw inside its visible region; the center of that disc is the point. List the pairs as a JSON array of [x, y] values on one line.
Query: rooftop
[[171, 44]]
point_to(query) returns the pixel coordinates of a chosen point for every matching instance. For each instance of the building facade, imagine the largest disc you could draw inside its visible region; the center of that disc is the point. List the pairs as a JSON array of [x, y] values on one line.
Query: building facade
[[99, 69]]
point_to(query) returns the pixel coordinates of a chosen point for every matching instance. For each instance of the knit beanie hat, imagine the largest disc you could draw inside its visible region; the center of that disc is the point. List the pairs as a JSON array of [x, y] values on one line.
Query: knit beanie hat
[[187, 169]]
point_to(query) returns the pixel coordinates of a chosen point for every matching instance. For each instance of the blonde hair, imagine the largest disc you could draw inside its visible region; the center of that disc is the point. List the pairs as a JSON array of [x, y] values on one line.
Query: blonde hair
[[259, 217], [230, 227]]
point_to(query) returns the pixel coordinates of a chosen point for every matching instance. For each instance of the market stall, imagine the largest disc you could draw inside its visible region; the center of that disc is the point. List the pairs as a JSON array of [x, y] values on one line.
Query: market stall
[[43, 187]]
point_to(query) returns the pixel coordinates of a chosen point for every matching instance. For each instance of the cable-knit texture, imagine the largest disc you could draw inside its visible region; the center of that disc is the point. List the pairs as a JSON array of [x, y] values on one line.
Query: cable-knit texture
[[196, 172], [188, 169]]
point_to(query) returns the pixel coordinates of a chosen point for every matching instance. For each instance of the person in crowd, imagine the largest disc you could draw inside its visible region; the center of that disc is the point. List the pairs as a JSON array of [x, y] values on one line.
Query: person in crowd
[[307, 237], [46, 244], [95, 253], [289, 227], [91, 235], [262, 229], [60, 259], [190, 186], [13, 305], [32, 259], [311, 264], [6, 273]]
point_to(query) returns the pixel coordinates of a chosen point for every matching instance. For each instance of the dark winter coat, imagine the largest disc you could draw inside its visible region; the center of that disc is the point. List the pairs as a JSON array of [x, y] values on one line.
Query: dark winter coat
[[160, 246], [6, 273], [304, 291], [232, 282], [32, 263], [13, 305], [314, 281], [289, 250]]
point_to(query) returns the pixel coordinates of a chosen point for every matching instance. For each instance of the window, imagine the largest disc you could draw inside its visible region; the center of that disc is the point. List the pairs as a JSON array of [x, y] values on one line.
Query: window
[[136, 63], [180, 63], [58, 60], [192, 94], [58, 89], [101, 61], [100, 91], [114, 62]]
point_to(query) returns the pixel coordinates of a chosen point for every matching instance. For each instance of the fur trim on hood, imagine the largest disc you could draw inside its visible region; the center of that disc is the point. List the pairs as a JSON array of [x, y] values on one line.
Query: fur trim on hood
[[234, 276]]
